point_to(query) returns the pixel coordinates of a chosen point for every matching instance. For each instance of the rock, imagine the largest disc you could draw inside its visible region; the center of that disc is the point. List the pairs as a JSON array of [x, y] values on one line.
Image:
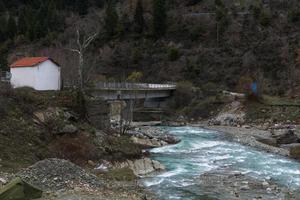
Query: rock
[[158, 166], [267, 140], [91, 163], [67, 175], [2, 181], [146, 143], [141, 166], [294, 150], [69, 129], [246, 126], [226, 185], [285, 136]]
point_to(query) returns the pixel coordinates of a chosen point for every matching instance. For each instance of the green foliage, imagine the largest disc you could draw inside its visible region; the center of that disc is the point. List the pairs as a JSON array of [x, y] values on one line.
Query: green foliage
[[173, 54], [265, 18], [183, 95], [197, 31], [34, 21], [221, 16], [135, 76], [256, 8], [3, 28], [2, 7], [294, 15], [111, 21], [159, 18], [139, 21], [82, 7], [136, 55], [22, 28], [11, 27]]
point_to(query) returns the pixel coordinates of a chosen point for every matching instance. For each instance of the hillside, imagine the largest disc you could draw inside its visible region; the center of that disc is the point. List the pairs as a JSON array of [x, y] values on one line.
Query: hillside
[[213, 44]]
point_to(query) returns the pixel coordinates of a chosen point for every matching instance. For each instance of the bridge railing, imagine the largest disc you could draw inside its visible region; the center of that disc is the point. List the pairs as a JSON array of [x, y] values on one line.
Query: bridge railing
[[127, 85]]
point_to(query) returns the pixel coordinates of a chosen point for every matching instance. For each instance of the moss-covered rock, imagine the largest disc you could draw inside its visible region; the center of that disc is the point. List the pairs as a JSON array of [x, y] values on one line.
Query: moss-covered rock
[[19, 190]]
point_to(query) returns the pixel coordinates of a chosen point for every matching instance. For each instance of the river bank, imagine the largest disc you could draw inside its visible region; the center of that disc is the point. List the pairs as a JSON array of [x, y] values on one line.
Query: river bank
[[207, 164], [261, 139]]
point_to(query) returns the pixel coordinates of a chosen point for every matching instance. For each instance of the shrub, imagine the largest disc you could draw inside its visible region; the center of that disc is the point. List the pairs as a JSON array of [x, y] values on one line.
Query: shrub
[[120, 148], [124, 174], [265, 18], [197, 31], [135, 77], [173, 54], [183, 95], [136, 55], [294, 15], [78, 149]]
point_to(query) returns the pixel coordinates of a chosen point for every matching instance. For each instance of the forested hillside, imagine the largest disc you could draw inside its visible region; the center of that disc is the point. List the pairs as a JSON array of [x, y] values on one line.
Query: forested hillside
[[212, 44]]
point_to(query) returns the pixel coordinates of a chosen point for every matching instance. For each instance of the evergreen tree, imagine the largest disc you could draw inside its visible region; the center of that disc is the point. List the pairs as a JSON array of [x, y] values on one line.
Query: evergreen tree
[[159, 17], [139, 21], [3, 30], [53, 22], [22, 27], [30, 23], [111, 20], [82, 7], [2, 7], [12, 29]]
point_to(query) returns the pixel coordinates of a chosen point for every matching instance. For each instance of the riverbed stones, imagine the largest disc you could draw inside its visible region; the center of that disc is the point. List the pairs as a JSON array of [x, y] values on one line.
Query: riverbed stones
[[57, 174], [231, 185]]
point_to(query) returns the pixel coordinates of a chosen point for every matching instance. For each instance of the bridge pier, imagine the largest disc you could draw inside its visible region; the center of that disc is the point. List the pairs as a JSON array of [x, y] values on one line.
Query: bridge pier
[[125, 98]]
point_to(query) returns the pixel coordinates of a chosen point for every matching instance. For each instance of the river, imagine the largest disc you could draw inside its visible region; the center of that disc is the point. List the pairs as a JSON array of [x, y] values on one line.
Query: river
[[201, 151]]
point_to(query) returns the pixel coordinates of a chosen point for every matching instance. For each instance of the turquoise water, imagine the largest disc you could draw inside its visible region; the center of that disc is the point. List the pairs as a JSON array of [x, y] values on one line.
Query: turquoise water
[[201, 151]]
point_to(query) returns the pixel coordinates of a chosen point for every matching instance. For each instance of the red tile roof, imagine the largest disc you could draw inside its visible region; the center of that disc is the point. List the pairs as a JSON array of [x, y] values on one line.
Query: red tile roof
[[29, 62]]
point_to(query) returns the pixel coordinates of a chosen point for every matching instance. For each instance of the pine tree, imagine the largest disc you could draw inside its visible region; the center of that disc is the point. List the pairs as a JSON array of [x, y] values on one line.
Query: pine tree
[[159, 18], [82, 7], [12, 29], [22, 27], [52, 17], [2, 7], [111, 20], [3, 30], [139, 21]]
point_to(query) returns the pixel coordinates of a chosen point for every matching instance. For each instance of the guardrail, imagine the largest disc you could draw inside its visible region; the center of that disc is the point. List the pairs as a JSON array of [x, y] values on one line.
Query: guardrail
[[126, 85]]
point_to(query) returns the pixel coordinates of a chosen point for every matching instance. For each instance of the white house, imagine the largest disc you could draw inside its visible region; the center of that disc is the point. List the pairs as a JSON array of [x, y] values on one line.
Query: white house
[[39, 73]]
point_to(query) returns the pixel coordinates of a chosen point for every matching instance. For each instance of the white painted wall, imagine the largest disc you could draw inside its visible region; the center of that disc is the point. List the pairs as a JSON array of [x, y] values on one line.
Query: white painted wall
[[23, 77], [45, 76]]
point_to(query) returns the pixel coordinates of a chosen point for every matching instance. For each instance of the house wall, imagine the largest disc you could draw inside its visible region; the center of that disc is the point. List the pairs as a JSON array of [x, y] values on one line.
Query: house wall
[[23, 77], [47, 76]]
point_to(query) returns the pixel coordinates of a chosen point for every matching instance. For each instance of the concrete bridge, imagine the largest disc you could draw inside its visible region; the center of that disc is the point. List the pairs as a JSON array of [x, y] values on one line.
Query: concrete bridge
[[132, 91], [126, 98]]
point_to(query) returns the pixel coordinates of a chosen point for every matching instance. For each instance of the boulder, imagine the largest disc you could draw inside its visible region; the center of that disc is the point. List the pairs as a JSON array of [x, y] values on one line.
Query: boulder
[[285, 136], [267, 140], [141, 166], [19, 190], [294, 150], [147, 143], [69, 129]]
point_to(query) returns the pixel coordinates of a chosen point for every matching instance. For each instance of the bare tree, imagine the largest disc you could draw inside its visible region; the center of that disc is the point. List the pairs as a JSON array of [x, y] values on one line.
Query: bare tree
[[82, 44]]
